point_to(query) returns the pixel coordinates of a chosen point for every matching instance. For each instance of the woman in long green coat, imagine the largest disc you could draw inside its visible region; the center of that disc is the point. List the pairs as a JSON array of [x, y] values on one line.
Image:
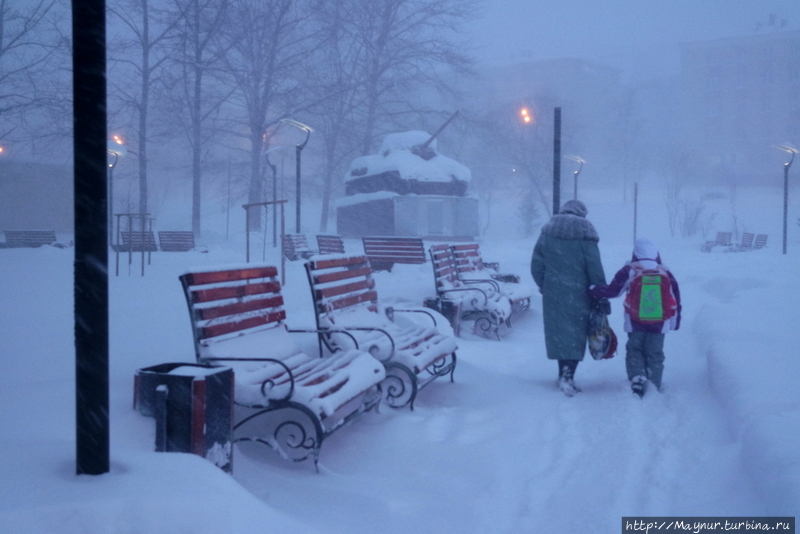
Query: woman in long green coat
[[565, 262]]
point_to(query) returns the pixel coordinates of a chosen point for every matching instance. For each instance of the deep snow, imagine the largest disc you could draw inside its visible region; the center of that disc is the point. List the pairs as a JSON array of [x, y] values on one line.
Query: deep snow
[[499, 450]]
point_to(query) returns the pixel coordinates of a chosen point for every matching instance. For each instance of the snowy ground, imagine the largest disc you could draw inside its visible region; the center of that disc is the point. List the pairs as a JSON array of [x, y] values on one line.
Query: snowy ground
[[499, 450]]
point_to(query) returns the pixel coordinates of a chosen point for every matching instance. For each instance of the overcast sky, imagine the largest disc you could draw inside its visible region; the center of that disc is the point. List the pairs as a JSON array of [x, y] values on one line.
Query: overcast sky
[[628, 33]]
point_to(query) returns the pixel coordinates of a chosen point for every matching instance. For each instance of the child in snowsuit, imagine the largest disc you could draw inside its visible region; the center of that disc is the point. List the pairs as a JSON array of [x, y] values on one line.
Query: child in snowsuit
[[644, 359]]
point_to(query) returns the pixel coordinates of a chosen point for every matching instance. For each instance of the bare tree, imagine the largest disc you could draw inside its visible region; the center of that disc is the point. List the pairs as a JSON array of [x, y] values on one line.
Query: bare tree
[[407, 44], [269, 40], [149, 30], [337, 95], [198, 53], [28, 41], [679, 166]]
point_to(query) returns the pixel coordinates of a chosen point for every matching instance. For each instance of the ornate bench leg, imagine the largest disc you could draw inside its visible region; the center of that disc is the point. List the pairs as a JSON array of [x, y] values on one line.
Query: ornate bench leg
[[291, 430], [400, 385]]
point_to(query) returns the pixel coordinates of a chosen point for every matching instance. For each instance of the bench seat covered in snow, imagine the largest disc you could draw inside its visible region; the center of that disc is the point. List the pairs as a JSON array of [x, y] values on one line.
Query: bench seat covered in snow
[[472, 269], [477, 301], [349, 315], [285, 398]]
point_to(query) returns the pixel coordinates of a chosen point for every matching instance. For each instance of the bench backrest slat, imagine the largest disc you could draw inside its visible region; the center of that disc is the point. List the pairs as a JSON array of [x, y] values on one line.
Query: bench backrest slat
[[330, 244], [231, 301], [222, 329], [386, 251], [341, 283], [444, 266], [335, 291], [295, 246], [724, 238], [29, 238], [136, 241], [176, 241], [761, 241], [467, 258]]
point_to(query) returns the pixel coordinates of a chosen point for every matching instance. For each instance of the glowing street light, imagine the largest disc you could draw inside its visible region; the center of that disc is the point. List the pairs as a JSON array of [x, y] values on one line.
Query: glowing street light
[[526, 116], [116, 148], [298, 149], [580, 162], [791, 150]]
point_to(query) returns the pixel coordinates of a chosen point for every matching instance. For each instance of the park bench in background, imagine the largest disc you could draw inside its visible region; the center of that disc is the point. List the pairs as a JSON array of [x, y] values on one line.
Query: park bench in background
[[471, 269], [761, 241], [745, 245], [285, 399], [137, 242], [295, 247], [347, 312], [384, 252], [176, 241], [330, 244], [479, 301], [723, 239], [29, 238]]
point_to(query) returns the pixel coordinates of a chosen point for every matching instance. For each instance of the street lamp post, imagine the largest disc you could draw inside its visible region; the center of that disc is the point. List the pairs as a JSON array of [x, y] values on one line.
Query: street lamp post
[[298, 149], [791, 150], [580, 162], [117, 149]]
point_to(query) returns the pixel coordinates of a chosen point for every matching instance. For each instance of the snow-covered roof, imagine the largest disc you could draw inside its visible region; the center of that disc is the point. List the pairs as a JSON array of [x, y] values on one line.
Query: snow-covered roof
[[396, 155]]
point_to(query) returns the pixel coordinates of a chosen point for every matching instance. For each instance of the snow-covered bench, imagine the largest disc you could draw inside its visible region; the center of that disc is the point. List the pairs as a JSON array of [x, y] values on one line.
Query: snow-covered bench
[[478, 301], [384, 252], [295, 247], [723, 239], [345, 299], [471, 268], [285, 399], [330, 244]]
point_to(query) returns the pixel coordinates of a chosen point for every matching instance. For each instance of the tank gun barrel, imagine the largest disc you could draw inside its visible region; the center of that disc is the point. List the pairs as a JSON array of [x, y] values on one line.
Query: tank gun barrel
[[442, 127]]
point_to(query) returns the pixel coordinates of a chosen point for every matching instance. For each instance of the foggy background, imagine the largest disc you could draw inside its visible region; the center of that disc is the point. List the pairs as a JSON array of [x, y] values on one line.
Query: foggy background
[[664, 94]]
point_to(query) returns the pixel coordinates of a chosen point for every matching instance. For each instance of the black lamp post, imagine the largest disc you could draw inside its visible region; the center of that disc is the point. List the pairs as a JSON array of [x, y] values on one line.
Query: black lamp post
[[791, 150], [298, 149], [117, 149]]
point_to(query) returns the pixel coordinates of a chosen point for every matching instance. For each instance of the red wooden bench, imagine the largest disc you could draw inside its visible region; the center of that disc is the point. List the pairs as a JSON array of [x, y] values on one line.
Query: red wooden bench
[[471, 268], [384, 252], [286, 399], [345, 299], [477, 300], [330, 244]]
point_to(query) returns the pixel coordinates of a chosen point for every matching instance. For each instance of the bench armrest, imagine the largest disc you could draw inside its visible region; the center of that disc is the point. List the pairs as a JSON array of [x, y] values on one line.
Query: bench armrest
[[481, 291], [366, 329], [323, 331], [390, 313], [268, 381], [492, 283], [506, 277]]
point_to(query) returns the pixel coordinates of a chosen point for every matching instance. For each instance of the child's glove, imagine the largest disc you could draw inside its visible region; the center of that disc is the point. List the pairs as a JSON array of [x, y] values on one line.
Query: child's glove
[[602, 305]]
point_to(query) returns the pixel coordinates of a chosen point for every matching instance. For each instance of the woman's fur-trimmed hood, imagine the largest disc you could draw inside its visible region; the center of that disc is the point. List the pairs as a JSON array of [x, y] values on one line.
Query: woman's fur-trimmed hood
[[568, 226]]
